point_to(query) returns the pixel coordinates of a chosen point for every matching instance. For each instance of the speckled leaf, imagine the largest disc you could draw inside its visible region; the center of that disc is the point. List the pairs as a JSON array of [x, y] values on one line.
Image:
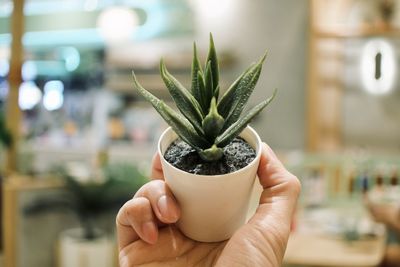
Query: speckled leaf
[[225, 104], [211, 154], [178, 123], [236, 128], [213, 59], [196, 67], [213, 122], [243, 92], [202, 90], [185, 102], [209, 89], [216, 93]]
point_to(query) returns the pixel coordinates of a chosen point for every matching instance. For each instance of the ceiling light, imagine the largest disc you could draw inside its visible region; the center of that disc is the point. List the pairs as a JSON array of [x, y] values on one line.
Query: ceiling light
[[117, 24], [378, 67]]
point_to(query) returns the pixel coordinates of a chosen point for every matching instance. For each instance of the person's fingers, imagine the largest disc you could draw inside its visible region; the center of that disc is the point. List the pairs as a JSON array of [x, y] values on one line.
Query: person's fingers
[[371, 207], [272, 172], [281, 190], [275, 178], [156, 168], [162, 200], [270, 225], [135, 219], [172, 246]]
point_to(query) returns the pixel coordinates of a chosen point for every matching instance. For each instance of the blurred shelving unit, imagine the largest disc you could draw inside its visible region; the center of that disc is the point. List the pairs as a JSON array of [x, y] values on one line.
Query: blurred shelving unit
[[329, 29], [144, 58], [362, 32]]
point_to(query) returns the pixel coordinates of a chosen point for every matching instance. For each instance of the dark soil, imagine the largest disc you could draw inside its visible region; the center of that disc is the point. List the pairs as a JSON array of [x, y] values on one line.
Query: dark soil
[[237, 154]]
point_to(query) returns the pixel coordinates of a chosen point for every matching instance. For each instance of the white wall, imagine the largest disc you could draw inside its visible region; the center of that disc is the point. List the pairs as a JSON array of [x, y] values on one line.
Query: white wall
[[369, 121], [248, 28]]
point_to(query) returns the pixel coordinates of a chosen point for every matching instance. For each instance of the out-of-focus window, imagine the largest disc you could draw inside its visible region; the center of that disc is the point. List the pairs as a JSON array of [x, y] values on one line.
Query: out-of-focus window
[[76, 93]]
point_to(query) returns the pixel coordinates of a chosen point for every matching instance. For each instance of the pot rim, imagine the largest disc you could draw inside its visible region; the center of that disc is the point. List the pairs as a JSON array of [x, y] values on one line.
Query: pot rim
[[258, 155]]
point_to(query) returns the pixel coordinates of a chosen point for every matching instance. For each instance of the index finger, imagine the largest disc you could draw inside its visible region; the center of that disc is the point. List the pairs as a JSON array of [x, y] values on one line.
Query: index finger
[[156, 168]]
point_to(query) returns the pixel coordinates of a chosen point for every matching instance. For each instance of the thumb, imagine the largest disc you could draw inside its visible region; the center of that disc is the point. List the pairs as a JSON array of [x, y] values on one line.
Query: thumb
[[280, 191], [266, 234], [156, 168]]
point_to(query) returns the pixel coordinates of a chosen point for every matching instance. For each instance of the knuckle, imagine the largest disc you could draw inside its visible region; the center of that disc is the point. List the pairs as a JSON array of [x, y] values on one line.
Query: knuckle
[[137, 206], [124, 260], [150, 187], [133, 209], [275, 168], [122, 213], [118, 217], [156, 184], [295, 184]]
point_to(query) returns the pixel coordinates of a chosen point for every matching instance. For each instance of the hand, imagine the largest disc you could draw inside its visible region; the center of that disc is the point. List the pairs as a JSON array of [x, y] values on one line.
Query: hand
[[147, 235], [384, 213]]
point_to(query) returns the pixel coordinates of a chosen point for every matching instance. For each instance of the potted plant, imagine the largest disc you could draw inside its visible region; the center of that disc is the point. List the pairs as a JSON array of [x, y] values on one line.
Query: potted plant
[[88, 200], [209, 154]]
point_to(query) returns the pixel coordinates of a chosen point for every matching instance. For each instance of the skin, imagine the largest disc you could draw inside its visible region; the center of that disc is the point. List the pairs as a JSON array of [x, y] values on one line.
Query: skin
[[385, 213], [389, 215], [147, 235]]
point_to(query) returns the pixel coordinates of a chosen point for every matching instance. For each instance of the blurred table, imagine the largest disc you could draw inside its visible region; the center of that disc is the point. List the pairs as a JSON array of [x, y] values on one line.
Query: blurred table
[[315, 250], [320, 239]]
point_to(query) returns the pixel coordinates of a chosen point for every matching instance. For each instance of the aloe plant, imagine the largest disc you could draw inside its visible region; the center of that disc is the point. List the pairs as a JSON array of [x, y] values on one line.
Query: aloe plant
[[206, 122]]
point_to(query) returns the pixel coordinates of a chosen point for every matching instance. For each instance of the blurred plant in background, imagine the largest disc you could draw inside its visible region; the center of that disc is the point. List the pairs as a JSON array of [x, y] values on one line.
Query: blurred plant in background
[[89, 199], [5, 135]]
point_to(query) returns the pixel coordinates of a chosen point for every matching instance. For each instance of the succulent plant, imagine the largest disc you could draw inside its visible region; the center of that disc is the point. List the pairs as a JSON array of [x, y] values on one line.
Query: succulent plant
[[206, 122]]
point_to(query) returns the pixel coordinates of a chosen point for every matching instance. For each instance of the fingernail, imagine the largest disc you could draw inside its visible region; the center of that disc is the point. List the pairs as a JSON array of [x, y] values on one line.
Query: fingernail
[[149, 232], [168, 209]]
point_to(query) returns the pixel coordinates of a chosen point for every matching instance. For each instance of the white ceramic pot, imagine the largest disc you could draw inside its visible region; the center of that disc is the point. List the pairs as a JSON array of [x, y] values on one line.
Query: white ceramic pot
[[76, 251], [213, 207]]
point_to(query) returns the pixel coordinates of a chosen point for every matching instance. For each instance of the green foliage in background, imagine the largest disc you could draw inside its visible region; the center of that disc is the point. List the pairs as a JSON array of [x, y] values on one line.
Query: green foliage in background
[[5, 135], [92, 199], [207, 122]]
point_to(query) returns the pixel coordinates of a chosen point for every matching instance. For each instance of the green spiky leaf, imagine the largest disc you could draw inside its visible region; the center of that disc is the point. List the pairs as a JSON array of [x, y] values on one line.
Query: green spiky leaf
[[224, 105], [211, 154], [236, 128], [185, 102], [178, 123], [202, 87], [213, 60], [216, 93], [209, 86], [196, 67], [206, 124], [243, 92], [213, 122]]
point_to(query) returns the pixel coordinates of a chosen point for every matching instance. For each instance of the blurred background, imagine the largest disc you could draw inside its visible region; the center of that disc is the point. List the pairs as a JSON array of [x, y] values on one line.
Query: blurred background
[[77, 140]]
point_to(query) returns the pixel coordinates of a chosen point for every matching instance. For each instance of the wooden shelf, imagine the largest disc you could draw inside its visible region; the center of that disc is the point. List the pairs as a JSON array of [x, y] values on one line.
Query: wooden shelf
[[364, 32], [331, 23]]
